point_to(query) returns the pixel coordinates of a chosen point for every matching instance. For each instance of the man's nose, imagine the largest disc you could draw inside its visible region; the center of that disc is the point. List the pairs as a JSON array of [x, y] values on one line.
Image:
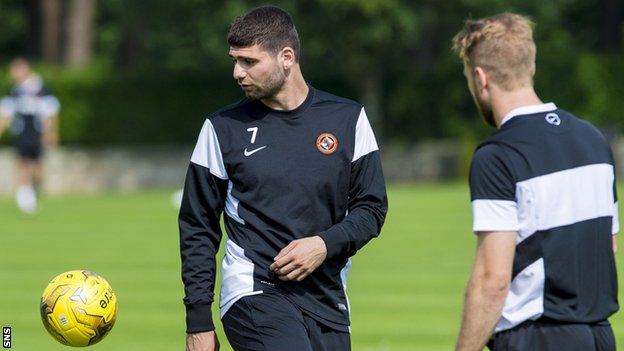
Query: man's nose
[[239, 72]]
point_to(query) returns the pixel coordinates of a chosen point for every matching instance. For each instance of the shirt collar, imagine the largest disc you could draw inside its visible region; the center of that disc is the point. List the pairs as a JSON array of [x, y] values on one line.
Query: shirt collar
[[528, 110]]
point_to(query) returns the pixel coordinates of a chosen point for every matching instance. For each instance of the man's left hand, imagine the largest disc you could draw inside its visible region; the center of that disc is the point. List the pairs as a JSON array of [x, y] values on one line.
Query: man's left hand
[[299, 258]]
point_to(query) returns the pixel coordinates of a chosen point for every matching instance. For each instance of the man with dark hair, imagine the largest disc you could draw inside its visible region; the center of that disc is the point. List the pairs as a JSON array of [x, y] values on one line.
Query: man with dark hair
[[30, 111], [298, 175], [544, 206]]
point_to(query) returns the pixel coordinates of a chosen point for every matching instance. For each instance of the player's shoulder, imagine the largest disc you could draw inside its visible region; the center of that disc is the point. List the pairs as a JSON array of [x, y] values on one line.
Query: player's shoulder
[[223, 116], [14, 92], [489, 151], [337, 106], [491, 159], [329, 100], [45, 90], [584, 125], [239, 112], [233, 110], [322, 96]]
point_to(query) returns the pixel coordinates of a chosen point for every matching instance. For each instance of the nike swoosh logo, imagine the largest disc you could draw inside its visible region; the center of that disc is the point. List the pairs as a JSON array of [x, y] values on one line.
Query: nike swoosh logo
[[251, 152]]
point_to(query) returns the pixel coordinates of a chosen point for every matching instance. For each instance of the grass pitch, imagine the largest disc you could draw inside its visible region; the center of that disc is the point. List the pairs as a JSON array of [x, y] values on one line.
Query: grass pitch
[[405, 288]]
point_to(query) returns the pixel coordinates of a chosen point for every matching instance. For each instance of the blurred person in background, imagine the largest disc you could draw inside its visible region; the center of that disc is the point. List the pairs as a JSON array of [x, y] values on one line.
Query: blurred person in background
[[297, 173], [30, 113], [544, 204]]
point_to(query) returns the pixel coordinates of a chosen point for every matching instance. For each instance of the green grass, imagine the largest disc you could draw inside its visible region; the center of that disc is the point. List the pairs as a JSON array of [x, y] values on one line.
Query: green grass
[[405, 287]]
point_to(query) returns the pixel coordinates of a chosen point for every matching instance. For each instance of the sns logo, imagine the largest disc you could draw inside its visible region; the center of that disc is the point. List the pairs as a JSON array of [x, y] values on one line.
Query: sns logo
[[6, 337], [553, 119]]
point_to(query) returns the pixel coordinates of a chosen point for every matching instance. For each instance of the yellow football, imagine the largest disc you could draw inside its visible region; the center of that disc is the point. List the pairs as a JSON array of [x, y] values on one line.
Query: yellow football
[[78, 308]]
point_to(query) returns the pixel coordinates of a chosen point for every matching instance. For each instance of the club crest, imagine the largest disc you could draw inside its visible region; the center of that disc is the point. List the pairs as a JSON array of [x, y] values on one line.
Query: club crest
[[327, 143]]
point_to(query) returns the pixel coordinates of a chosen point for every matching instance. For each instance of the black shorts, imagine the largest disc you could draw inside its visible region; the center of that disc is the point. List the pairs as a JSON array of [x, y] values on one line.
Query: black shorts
[[555, 336], [269, 322], [29, 151]]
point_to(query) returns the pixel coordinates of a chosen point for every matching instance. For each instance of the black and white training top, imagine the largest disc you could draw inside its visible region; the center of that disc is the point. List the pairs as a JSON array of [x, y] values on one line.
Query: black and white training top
[[550, 176], [27, 106], [279, 176]]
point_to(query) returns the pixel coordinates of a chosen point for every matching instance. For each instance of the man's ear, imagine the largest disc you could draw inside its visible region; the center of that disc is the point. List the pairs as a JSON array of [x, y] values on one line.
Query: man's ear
[[481, 78], [288, 57]]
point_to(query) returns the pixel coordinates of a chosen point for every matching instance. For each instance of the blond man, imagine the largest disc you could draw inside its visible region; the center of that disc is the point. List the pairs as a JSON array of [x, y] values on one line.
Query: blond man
[[544, 207]]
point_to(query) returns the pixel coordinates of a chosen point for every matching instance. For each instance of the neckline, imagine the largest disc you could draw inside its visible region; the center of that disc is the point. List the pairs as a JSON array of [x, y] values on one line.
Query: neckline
[[289, 113], [528, 110]]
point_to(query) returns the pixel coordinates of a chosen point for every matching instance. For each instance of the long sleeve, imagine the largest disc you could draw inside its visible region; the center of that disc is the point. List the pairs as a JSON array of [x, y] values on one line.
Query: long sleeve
[[616, 212], [368, 202], [205, 191]]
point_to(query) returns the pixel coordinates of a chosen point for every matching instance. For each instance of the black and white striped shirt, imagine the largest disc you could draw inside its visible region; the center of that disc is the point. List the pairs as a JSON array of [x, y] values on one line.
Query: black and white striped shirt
[[280, 176], [550, 177], [27, 106]]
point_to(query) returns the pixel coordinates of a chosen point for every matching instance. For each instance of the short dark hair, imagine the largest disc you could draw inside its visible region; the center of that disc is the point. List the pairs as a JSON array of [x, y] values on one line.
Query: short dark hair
[[268, 26]]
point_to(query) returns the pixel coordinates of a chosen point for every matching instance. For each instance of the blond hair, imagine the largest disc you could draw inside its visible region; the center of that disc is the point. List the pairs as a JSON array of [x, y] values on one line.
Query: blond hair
[[502, 45]]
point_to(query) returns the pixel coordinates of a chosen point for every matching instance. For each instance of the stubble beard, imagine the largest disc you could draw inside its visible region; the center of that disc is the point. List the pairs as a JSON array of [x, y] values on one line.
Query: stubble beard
[[487, 114], [485, 109], [269, 88]]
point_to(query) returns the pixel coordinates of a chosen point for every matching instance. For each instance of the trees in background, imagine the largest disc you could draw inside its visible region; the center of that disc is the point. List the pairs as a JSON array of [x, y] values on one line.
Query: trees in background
[[80, 21], [164, 63], [56, 32]]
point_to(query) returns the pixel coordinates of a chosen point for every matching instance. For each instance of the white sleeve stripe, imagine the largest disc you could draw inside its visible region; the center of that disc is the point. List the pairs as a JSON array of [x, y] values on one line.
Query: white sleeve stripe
[[616, 219], [365, 142], [207, 152], [49, 106], [494, 215], [7, 107]]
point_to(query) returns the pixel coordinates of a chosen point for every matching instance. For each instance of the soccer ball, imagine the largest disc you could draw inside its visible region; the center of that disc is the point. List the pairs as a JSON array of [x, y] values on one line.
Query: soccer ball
[[78, 308]]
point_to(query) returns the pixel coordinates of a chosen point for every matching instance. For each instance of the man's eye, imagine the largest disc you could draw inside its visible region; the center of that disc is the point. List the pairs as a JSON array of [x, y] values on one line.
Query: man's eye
[[249, 61]]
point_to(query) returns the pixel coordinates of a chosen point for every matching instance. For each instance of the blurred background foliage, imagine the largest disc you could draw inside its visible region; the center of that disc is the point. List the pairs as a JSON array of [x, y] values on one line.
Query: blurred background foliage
[[138, 72]]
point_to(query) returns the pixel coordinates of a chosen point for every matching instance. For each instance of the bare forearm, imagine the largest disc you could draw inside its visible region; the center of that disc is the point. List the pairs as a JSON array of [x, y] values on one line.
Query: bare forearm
[[482, 310], [4, 122], [50, 133], [204, 341]]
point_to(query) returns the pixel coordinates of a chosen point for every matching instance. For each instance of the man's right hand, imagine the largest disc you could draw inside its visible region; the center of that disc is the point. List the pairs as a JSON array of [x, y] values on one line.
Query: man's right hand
[[202, 341]]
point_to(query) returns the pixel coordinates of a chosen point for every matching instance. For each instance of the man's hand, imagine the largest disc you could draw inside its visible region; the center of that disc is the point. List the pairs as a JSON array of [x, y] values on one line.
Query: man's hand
[[202, 341], [299, 258]]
